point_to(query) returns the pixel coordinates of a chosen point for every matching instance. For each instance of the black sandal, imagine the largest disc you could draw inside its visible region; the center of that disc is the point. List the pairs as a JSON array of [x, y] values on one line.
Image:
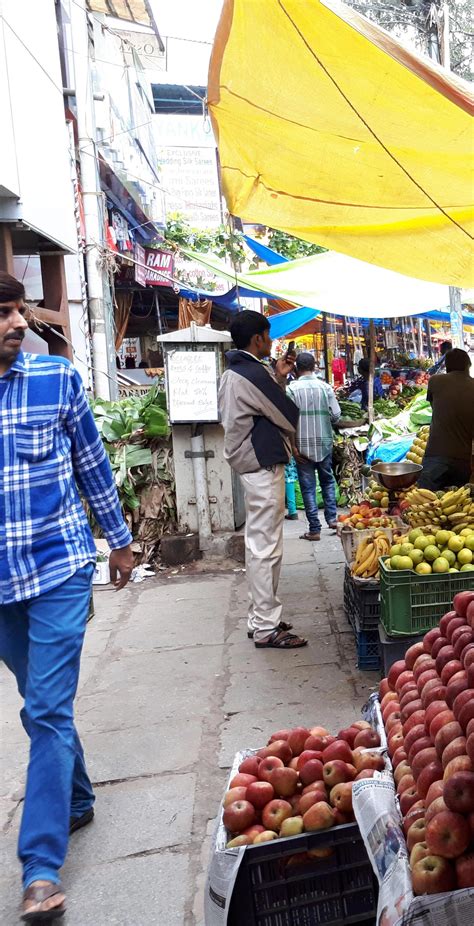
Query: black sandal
[[39, 893], [281, 640], [281, 626], [76, 823]]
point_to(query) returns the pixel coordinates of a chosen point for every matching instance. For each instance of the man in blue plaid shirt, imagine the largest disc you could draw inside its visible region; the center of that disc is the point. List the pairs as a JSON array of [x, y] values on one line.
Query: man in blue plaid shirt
[[49, 449]]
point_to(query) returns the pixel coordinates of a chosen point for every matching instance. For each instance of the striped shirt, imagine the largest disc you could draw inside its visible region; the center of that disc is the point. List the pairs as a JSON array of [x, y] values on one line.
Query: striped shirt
[[318, 409], [50, 447]]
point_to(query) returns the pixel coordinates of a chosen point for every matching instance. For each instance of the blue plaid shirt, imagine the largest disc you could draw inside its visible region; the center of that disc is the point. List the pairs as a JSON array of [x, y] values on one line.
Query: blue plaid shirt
[[50, 447]]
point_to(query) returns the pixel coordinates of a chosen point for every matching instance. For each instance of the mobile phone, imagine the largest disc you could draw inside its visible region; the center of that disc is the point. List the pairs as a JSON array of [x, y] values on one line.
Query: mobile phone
[[291, 347]]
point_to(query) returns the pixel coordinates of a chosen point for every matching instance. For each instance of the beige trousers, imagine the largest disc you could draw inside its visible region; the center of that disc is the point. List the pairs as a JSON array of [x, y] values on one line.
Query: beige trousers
[[265, 509]]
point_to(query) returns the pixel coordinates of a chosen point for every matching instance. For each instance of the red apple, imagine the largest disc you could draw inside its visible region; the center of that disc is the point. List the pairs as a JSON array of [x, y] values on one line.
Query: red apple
[[456, 747], [435, 807], [254, 830], [462, 698], [437, 693], [284, 781], [279, 735], [350, 733], [297, 739], [335, 772], [416, 833], [238, 816], [395, 740], [266, 767], [406, 782], [408, 798], [320, 816], [403, 678], [434, 791], [420, 850], [470, 614], [463, 640], [393, 707], [470, 728], [242, 780], [395, 670], [422, 662], [456, 684], [279, 748], [315, 786], [458, 764], [410, 709], [341, 796], [446, 654], [337, 750], [398, 756], [466, 713], [437, 645], [432, 772], [393, 725], [369, 739], [311, 771], [235, 794], [461, 601], [413, 735], [429, 638], [250, 766], [408, 686], [383, 688], [448, 834], [449, 670], [274, 813], [433, 875], [412, 654], [467, 654], [319, 731], [312, 797], [259, 793], [390, 696], [459, 792], [424, 742], [422, 759], [306, 755], [465, 870], [446, 735], [456, 624], [372, 760], [365, 773], [416, 812], [414, 719], [458, 632], [402, 769], [425, 677], [470, 746], [441, 719], [434, 708], [293, 763], [445, 622]]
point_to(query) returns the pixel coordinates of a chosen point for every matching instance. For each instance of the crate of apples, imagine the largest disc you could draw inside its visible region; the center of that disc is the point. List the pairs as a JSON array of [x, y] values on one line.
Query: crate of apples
[[427, 703], [301, 781]]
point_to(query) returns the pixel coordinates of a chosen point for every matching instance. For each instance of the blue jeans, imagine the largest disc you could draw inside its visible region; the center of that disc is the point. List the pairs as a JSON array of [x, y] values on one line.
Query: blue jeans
[[307, 478], [41, 642]]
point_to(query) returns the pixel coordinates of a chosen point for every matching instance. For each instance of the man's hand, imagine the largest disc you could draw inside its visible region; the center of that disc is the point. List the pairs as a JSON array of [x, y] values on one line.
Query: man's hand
[[299, 457], [285, 365], [121, 561]]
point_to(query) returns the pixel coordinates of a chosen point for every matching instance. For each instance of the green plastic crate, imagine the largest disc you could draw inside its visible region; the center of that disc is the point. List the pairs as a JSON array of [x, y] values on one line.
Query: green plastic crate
[[413, 604]]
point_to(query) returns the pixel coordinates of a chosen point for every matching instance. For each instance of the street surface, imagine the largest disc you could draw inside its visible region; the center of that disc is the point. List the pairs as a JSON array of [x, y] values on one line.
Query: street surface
[[170, 689]]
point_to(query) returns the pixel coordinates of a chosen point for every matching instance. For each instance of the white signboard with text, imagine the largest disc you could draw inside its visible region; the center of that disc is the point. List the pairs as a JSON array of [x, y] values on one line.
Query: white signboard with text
[[192, 386]]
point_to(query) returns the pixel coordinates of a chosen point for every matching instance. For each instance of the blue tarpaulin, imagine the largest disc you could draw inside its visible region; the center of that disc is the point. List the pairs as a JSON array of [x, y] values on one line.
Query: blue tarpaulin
[[287, 322]]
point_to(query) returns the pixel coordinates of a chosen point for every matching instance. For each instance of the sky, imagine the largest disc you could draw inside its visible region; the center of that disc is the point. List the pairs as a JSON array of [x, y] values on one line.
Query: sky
[[188, 27]]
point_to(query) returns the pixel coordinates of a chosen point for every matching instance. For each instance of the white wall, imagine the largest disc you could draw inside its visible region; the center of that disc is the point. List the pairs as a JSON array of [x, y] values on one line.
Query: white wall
[[34, 155]]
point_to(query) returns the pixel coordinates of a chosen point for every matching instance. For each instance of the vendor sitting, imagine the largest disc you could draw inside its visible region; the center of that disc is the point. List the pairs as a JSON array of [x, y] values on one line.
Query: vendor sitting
[[448, 459], [362, 383]]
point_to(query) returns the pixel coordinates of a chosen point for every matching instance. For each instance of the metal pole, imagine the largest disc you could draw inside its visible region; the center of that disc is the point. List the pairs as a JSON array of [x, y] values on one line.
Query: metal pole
[[371, 369], [325, 347], [428, 337], [91, 195]]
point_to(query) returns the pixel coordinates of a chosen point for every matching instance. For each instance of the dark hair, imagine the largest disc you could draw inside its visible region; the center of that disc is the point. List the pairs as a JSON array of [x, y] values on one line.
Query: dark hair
[[444, 347], [305, 361], [457, 360], [245, 325], [11, 290], [364, 365]]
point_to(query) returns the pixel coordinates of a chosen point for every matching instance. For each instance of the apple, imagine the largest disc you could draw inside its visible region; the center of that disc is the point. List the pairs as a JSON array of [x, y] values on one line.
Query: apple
[[424, 742], [416, 833], [311, 771], [462, 698], [416, 812], [459, 792], [284, 781], [458, 764], [315, 786], [350, 733], [445, 622], [458, 632], [402, 769], [383, 688], [435, 790], [266, 767], [340, 818], [446, 735], [441, 719], [412, 654], [432, 875], [242, 780], [315, 744], [434, 708], [341, 796], [470, 728], [470, 675], [292, 826], [403, 678], [430, 773], [398, 756], [371, 760], [437, 645], [279, 735], [305, 756], [423, 662], [335, 772], [408, 686], [449, 670], [470, 614], [369, 739], [414, 719], [463, 640], [470, 746], [408, 798], [266, 836], [448, 834], [425, 676], [390, 696], [435, 807], [320, 816], [319, 731], [413, 735], [467, 655], [395, 740], [279, 748], [465, 870], [297, 739], [422, 758], [456, 747], [437, 693], [339, 750], [466, 713], [393, 707], [254, 830], [410, 709], [461, 601], [293, 763], [446, 654], [312, 797], [430, 637], [457, 623], [250, 766], [395, 670], [456, 684], [238, 816], [239, 841], [420, 850], [365, 773], [274, 813], [259, 793], [393, 725], [234, 794], [406, 782]]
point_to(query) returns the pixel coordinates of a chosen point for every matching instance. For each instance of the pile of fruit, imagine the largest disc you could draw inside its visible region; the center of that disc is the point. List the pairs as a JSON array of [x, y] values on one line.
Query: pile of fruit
[[427, 704], [377, 496], [443, 551], [453, 509], [361, 517], [418, 447], [366, 563], [300, 782]]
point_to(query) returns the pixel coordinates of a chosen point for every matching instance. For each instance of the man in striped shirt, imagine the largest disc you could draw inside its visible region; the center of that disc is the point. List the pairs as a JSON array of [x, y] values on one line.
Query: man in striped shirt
[[319, 409]]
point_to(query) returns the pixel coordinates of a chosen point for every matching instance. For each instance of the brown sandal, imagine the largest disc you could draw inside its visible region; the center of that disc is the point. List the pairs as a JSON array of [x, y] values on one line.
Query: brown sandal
[[281, 640], [283, 625], [38, 893], [308, 536]]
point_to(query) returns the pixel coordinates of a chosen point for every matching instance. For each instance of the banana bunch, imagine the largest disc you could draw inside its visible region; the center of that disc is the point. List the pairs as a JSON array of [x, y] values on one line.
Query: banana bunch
[[366, 563], [453, 510]]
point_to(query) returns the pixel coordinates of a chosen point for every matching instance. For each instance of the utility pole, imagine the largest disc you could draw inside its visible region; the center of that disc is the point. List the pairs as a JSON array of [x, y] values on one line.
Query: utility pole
[[91, 197]]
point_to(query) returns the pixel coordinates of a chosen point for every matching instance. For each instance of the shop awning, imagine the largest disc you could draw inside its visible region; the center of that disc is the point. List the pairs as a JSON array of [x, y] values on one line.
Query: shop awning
[[287, 323], [337, 284], [331, 130]]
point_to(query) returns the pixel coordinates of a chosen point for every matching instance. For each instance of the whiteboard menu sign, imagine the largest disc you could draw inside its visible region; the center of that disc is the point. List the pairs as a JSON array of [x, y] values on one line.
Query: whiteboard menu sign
[[192, 386]]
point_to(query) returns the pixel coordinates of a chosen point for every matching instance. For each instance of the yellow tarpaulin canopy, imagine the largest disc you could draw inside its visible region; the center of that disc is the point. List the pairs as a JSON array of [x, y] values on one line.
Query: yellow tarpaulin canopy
[[332, 131]]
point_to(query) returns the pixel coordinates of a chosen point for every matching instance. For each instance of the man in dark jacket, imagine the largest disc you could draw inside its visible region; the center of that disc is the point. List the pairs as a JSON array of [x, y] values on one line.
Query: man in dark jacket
[[260, 424], [448, 458]]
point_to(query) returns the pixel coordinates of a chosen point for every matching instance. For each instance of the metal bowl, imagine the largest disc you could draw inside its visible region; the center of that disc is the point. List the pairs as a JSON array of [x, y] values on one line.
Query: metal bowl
[[396, 475]]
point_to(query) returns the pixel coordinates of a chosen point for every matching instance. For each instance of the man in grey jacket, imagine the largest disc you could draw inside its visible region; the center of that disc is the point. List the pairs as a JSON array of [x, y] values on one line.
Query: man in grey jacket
[[260, 422]]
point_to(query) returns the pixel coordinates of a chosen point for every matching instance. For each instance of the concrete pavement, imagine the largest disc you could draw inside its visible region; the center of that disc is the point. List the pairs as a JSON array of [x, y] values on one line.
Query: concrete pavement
[[170, 689]]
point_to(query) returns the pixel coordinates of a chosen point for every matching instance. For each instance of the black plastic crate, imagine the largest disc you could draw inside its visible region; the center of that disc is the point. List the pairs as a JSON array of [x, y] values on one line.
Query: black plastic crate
[[280, 884], [393, 648], [361, 602]]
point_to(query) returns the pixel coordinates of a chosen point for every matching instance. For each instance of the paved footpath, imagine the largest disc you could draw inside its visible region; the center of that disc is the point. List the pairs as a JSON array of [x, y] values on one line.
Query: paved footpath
[[170, 689]]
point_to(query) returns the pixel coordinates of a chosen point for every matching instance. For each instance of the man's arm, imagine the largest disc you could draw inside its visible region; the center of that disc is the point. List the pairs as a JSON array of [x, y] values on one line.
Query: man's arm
[[96, 482], [334, 407]]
